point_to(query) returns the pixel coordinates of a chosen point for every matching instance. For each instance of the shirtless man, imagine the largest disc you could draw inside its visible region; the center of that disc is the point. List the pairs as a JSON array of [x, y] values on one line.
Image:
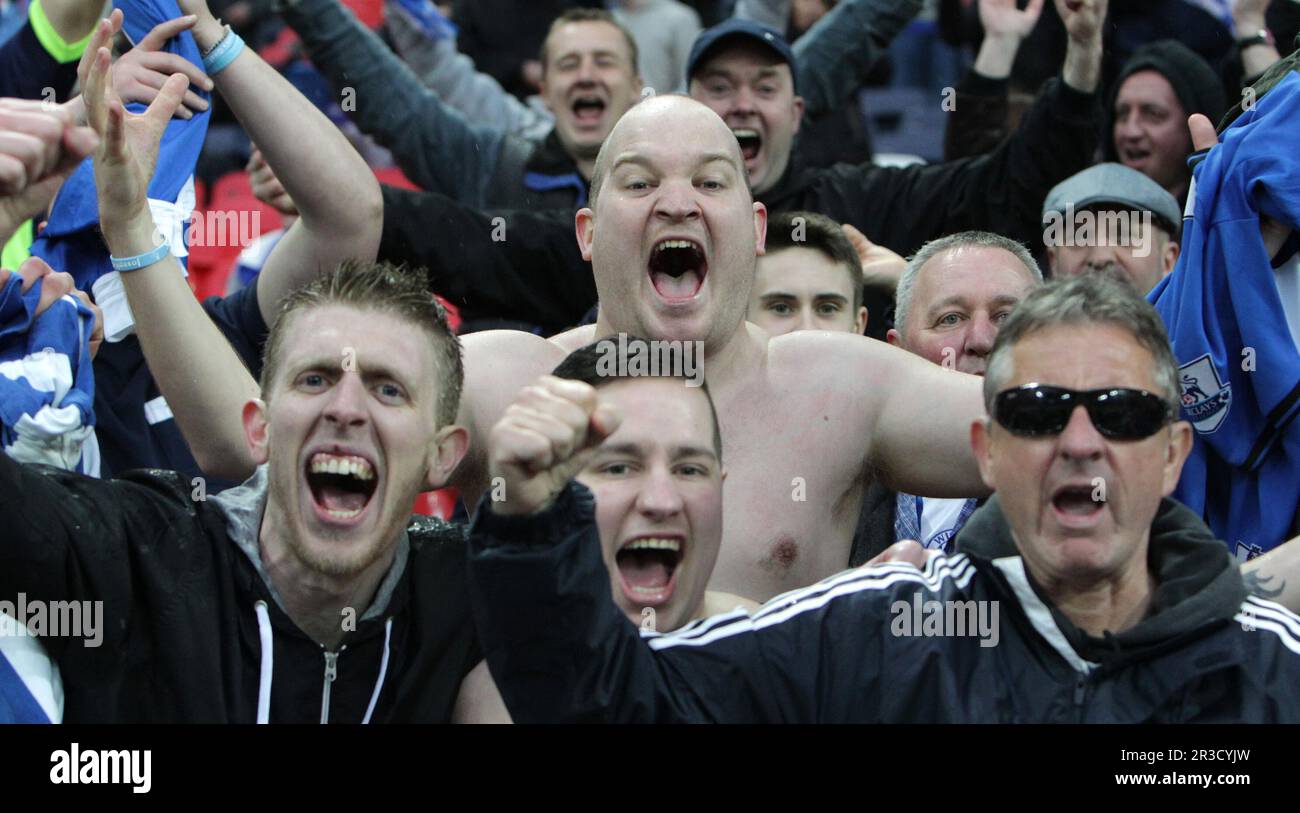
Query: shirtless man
[[807, 419]]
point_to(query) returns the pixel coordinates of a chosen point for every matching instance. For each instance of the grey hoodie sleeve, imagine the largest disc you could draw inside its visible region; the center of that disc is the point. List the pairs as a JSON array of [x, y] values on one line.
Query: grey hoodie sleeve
[[461, 86], [434, 145], [836, 53]]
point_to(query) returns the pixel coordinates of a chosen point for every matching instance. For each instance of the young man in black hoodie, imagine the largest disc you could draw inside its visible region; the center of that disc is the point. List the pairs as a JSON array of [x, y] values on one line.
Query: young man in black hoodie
[[1079, 593], [306, 594]]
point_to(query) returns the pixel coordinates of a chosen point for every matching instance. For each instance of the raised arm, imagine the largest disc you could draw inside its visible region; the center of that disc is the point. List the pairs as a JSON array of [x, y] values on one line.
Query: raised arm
[[456, 79], [434, 145], [202, 378], [1002, 191], [920, 442], [977, 121], [836, 54]]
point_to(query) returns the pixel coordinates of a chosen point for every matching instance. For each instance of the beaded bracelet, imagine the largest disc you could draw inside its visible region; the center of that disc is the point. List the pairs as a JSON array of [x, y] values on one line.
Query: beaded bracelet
[[223, 53]]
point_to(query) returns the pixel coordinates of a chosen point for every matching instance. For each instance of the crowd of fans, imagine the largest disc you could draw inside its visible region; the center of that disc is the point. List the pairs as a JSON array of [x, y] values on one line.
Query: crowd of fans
[[385, 361]]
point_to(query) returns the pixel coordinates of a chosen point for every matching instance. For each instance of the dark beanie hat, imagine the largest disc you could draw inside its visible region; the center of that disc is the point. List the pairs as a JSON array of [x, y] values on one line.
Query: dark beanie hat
[[1198, 88]]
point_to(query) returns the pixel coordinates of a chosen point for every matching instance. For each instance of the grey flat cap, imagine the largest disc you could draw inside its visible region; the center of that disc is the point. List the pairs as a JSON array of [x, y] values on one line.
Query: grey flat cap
[[1117, 184]]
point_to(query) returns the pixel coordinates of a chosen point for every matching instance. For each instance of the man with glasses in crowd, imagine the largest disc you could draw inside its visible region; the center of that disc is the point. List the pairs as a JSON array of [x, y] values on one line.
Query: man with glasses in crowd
[[1078, 593]]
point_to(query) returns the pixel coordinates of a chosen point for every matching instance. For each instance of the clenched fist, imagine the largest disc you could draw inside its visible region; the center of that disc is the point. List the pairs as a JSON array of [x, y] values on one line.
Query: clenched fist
[[545, 438]]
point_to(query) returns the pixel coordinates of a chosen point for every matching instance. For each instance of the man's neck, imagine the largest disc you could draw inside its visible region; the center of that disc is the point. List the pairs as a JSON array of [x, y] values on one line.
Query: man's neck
[[318, 603], [585, 167], [1109, 605]]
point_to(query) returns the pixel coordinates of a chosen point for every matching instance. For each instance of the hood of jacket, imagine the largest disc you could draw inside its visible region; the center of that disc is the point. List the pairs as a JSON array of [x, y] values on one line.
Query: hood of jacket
[[1198, 584]]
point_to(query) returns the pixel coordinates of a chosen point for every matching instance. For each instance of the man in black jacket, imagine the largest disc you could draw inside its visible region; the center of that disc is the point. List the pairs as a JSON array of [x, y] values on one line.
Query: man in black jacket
[[305, 594], [1078, 594], [315, 557]]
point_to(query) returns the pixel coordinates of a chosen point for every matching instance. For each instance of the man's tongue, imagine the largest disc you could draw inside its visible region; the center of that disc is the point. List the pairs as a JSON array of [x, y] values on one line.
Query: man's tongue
[[680, 287], [644, 569], [333, 498]]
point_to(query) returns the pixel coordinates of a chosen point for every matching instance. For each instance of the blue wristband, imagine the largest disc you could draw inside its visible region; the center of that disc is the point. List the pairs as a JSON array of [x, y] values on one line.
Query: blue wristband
[[141, 260], [223, 53]]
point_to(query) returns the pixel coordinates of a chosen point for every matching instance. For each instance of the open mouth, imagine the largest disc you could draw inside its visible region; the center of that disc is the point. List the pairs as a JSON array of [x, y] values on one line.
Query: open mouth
[[677, 268], [588, 109], [1075, 504], [1133, 156], [341, 485], [750, 142], [647, 568]]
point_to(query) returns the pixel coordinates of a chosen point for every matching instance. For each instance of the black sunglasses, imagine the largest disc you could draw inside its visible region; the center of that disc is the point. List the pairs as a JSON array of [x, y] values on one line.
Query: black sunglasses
[[1035, 410]]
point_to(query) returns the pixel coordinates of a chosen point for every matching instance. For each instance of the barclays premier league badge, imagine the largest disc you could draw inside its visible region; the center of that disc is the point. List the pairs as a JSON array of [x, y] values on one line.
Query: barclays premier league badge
[[1205, 398]]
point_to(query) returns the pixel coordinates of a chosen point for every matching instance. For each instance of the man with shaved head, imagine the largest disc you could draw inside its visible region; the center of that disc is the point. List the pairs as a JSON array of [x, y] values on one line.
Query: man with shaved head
[[673, 235]]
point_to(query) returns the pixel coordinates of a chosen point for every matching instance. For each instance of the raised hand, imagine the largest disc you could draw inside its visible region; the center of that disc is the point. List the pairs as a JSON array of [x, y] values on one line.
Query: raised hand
[[1083, 18], [141, 72], [128, 148], [545, 438], [40, 145], [881, 268], [1001, 18]]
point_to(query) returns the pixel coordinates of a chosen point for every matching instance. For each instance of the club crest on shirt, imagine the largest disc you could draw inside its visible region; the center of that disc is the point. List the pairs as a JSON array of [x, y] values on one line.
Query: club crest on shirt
[[1205, 398]]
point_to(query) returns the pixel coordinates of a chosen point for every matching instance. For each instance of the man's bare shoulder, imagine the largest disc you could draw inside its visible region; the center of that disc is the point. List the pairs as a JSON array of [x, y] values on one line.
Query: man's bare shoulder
[[498, 363], [503, 349], [827, 355], [574, 339]]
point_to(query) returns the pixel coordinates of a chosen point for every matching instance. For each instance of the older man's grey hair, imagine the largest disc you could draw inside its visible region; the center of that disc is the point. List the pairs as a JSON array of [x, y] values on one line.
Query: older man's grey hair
[[1095, 298], [963, 239]]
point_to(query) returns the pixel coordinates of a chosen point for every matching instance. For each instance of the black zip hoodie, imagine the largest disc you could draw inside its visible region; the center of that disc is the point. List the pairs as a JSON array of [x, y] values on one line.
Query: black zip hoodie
[[192, 629]]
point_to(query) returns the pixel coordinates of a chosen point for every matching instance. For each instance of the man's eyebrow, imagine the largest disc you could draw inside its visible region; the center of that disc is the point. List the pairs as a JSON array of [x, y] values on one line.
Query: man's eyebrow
[[635, 450], [1006, 299], [711, 157], [631, 158], [831, 295], [778, 295], [693, 451], [947, 302]]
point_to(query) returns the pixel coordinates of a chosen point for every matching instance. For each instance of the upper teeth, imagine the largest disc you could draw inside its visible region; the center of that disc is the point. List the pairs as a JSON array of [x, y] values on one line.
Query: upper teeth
[[745, 133], [337, 464], [673, 244], [654, 544]]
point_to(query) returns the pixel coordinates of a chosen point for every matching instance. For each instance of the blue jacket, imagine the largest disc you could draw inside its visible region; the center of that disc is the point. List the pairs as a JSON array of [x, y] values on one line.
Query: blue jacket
[[1239, 368]]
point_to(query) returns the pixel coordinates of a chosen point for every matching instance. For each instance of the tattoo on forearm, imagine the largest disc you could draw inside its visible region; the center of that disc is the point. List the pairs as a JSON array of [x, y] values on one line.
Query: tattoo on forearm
[[1260, 585]]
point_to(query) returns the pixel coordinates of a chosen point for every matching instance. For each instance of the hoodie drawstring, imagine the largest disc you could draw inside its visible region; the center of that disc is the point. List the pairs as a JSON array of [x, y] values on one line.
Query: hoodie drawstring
[[264, 674], [383, 670]]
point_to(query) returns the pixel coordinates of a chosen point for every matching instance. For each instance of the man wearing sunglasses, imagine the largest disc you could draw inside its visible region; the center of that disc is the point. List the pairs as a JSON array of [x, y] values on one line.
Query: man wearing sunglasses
[[1109, 602]]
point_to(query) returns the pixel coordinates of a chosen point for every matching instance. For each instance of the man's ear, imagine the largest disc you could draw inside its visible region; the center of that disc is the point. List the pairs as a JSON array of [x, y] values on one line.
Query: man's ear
[[257, 432], [584, 225], [1180, 446], [445, 453], [981, 442], [1170, 258], [1051, 261], [892, 336], [760, 229], [798, 112], [860, 325]]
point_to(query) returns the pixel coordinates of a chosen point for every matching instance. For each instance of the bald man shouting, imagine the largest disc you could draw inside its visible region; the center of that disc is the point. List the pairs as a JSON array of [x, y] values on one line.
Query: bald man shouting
[[673, 234]]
